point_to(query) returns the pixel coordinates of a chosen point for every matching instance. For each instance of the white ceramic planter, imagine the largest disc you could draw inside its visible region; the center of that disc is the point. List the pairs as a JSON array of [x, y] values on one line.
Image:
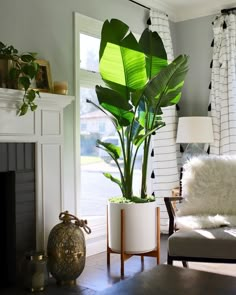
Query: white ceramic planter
[[140, 227]]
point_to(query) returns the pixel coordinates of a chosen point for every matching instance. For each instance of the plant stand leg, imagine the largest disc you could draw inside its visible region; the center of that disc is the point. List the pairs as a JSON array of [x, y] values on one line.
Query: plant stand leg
[[108, 249], [122, 241]]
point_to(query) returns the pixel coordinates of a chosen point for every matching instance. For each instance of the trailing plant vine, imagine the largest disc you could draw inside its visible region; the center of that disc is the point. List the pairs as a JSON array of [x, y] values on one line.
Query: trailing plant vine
[[22, 69]]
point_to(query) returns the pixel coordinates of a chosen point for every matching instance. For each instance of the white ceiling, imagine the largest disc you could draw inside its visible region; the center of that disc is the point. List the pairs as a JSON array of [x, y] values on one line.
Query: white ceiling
[[180, 10]]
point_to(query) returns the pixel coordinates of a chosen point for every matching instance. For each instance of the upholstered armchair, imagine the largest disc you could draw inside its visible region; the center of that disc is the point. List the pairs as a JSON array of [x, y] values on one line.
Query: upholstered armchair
[[202, 227]]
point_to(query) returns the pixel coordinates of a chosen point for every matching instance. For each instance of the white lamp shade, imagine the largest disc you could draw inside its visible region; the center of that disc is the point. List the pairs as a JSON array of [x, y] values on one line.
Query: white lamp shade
[[195, 130]]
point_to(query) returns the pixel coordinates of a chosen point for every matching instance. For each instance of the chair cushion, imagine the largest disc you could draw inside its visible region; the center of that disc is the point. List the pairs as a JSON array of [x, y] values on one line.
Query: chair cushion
[[204, 243]]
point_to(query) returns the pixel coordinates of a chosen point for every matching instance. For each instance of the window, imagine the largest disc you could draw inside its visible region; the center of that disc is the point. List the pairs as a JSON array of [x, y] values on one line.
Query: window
[[89, 48], [92, 188], [90, 125]]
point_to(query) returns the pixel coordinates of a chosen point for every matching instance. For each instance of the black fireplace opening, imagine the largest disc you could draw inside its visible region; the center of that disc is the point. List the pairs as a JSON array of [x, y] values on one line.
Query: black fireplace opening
[[17, 209]]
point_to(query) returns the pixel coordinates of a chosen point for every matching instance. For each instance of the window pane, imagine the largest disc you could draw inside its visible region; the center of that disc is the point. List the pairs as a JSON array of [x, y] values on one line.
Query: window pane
[[96, 189], [94, 125], [89, 53]]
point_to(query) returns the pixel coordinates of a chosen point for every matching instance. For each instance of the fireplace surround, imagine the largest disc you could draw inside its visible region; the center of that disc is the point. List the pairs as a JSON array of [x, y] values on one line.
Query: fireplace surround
[[43, 128]]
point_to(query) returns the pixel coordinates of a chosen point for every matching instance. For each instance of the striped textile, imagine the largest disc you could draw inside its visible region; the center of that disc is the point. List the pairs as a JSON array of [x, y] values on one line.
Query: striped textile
[[164, 161], [223, 85]]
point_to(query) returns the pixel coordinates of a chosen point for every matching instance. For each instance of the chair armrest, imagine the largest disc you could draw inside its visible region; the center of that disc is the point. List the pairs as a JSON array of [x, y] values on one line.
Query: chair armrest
[[171, 212]]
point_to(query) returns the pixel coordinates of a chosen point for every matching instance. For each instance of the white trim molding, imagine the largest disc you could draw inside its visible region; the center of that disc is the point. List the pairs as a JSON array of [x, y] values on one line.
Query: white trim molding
[[44, 128]]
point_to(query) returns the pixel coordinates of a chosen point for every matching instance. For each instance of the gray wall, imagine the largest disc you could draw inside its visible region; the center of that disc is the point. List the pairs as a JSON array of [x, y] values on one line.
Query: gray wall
[[46, 27], [194, 37]]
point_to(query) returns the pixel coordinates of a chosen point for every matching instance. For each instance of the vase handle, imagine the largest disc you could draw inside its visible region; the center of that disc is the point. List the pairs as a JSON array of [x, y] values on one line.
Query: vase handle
[[66, 217]]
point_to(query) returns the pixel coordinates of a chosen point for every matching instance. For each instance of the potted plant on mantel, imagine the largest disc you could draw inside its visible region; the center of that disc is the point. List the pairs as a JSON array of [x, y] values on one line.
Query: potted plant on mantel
[[17, 72], [140, 82]]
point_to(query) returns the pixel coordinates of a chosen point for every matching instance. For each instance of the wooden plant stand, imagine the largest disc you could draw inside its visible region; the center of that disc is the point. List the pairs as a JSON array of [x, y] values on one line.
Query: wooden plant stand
[[124, 256]]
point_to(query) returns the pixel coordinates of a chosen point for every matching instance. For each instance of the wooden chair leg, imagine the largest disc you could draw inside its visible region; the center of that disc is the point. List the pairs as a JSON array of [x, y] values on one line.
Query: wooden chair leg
[[108, 259], [185, 264], [169, 260]]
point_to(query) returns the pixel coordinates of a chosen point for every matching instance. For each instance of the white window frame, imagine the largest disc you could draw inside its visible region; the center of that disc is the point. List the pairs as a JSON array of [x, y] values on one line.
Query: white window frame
[[84, 78], [92, 27], [83, 24]]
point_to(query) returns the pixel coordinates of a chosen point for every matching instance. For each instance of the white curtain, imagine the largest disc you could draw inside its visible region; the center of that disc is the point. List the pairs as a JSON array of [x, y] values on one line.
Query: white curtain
[[164, 160], [223, 85]]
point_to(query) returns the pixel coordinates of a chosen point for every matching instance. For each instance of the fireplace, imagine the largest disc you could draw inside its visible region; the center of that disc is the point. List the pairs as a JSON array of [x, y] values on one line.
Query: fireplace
[[17, 210], [32, 176]]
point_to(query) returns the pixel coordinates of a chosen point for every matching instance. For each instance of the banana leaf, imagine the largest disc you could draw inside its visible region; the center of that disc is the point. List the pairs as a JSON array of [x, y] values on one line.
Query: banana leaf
[[139, 82], [153, 47], [122, 62]]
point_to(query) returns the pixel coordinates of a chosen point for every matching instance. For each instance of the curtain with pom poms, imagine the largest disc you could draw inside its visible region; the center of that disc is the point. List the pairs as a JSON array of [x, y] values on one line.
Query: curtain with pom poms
[[222, 107], [165, 155]]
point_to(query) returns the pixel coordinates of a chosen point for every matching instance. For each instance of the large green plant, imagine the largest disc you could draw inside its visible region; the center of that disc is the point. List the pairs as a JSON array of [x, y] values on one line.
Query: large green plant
[[23, 69], [140, 82]]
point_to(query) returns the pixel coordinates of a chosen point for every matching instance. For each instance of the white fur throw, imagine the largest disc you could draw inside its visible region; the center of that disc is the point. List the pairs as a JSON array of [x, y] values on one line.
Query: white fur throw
[[209, 192]]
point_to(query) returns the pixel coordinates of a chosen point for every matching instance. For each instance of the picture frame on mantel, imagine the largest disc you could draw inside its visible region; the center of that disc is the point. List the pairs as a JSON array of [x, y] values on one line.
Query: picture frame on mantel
[[43, 80]]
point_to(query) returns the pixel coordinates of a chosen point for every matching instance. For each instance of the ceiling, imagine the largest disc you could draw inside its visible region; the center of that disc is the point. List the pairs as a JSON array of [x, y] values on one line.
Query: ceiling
[[180, 10]]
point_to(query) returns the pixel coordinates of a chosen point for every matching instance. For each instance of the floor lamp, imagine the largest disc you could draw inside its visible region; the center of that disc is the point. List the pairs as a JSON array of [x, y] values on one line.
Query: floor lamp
[[195, 132]]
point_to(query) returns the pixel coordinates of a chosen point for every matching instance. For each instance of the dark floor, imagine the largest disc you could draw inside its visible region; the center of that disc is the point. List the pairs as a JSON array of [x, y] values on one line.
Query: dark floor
[[96, 277]]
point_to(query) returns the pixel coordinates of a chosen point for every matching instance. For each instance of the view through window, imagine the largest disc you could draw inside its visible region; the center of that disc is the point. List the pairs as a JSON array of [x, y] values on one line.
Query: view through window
[[94, 124], [94, 188]]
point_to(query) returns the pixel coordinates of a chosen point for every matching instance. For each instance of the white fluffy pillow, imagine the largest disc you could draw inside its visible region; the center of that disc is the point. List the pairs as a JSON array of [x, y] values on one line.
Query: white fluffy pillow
[[204, 221], [209, 186]]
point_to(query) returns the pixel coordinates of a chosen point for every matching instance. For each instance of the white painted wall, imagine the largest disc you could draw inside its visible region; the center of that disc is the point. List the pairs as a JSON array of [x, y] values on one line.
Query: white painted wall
[[46, 27], [194, 37]]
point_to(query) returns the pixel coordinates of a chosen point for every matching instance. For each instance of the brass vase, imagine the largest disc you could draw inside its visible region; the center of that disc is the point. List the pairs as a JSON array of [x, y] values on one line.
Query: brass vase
[[66, 249]]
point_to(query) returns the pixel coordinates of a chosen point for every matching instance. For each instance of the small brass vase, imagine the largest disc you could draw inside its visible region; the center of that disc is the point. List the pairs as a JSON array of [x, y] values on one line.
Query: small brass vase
[[35, 271], [66, 249]]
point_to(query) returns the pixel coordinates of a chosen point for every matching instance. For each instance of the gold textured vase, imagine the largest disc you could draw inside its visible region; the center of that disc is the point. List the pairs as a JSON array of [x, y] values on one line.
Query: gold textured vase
[[66, 249]]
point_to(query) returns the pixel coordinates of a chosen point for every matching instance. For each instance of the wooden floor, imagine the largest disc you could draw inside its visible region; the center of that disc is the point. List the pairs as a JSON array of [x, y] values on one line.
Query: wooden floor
[[96, 277]]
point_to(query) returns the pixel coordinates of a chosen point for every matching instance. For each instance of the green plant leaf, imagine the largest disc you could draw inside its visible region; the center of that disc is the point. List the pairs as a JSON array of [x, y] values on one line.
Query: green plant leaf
[[156, 58], [33, 107], [165, 87], [141, 200], [14, 73], [31, 95], [115, 104], [122, 62], [23, 109], [113, 150], [27, 58], [30, 70], [112, 97], [134, 130], [123, 117], [2, 45], [116, 180], [110, 116], [23, 70], [25, 82], [139, 83]]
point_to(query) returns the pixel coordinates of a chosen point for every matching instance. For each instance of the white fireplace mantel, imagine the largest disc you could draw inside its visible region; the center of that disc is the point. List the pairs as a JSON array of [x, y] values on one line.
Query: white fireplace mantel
[[44, 127]]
